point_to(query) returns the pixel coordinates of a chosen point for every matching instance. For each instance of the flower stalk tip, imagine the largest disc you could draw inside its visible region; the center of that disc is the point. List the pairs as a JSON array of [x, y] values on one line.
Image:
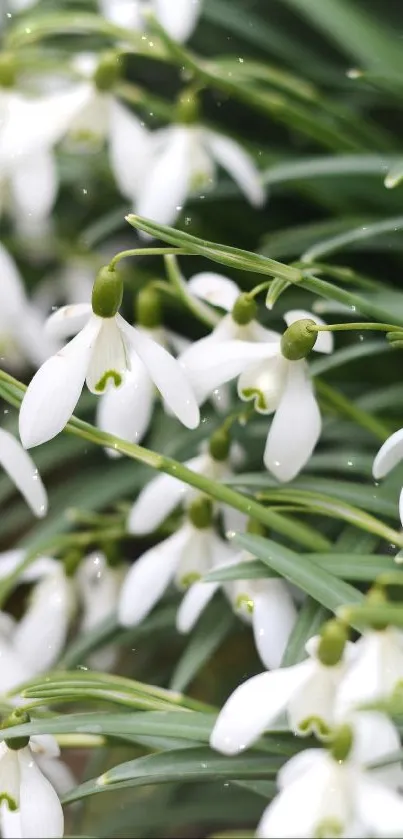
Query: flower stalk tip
[[148, 308], [17, 717], [333, 639], [244, 310], [200, 513], [107, 293], [219, 445], [299, 339], [108, 71]]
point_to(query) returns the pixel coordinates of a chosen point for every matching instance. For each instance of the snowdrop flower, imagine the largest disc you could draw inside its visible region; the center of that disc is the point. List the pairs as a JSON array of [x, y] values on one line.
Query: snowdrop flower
[[184, 557], [389, 455], [98, 587], [306, 691], [264, 604], [375, 672], [100, 355], [85, 111], [183, 162], [269, 374], [333, 793], [40, 635], [23, 473], [26, 791], [17, 345], [178, 19], [159, 498]]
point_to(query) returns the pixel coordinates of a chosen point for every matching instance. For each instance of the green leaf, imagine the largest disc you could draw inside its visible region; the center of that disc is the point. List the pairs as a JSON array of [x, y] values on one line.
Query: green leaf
[[212, 628], [184, 766], [347, 566], [322, 586], [310, 618]]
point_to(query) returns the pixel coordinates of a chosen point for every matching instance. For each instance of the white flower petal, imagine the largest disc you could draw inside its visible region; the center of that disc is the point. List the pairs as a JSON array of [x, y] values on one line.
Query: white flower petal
[[10, 823], [253, 706], [193, 604], [10, 560], [208, 366], [164, 190], [13, 670], [389, 455], [178, 18], [9, 776], [158, 499], [129, 149], [68, 320], [296, 426], [45, 745], [149, 577], [126, 13], [376, 738], [215, 289], [57, 773], [126, 411], [239, 165], [374, 672], [12, 293], [297, 766], [33, 341], [324, 341], [378, 807], [109, 359], [98, 589], [41, 634], [34, 184], [264, 383], [167, 375], [40, 808], [23, 472], [273, 618], [55, 389]]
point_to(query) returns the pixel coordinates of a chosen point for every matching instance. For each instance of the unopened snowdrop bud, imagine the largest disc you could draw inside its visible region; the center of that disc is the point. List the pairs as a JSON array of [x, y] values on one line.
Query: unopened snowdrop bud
[[7, 70], [219, 444], [108, 71], [333, 639], [244, 310], [107, 293], [148, 308], [342, 742], [298, 340], [18, 717], [187, 108], [200, 513]]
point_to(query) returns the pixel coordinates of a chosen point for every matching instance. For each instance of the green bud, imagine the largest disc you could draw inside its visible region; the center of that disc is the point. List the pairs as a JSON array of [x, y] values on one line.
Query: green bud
[[8, 70], [17, 717], [200, 512], [219, 444], [107, 293], [342, 743], [108, 71], [187, 108], [148, 308], [256, 528], [298, 340], [333, 639], [244, 310], [71, 562], [377, 596]]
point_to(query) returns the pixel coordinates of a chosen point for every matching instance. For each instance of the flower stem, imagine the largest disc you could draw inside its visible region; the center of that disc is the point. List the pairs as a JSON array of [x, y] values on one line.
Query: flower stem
[[146, 252], [349, 409], [345, 327]]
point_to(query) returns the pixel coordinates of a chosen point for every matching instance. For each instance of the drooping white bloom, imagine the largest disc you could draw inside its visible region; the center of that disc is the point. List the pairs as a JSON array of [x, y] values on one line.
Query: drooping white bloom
[[264, 604], [25, 789], [306, 691], [183, 162], [18, 344], [324, 796], [276, 385], [41, 634], [158, 499], [79, 113], [23, 473], [98, 587], [389, 455], [100, 355], [184, 557], [178, 18], [375, 671]]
